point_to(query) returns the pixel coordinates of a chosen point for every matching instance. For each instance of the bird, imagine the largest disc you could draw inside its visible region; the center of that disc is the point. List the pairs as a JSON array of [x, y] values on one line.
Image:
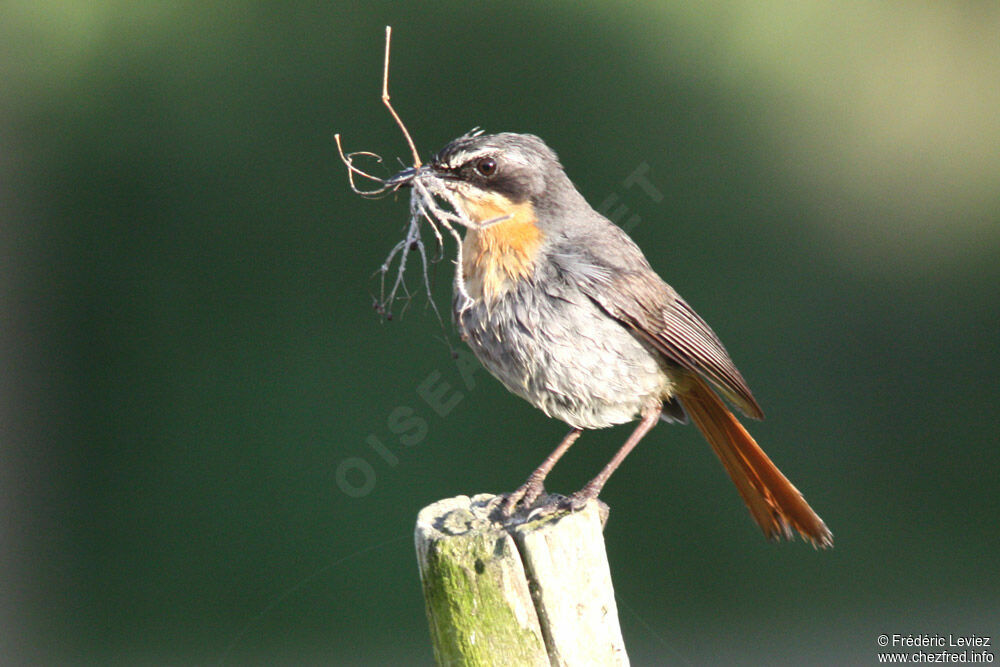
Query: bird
[[564, 309]]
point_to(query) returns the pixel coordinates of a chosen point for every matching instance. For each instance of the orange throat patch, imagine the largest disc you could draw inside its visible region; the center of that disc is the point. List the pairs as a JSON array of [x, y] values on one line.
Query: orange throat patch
[[495, 257]]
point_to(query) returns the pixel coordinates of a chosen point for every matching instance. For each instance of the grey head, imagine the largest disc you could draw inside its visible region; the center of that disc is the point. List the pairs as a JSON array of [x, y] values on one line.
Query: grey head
[[516, 167], [521, 167]]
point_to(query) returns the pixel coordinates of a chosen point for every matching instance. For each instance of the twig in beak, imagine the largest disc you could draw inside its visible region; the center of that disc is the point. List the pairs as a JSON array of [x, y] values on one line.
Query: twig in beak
[[388, 104], [423, 206]]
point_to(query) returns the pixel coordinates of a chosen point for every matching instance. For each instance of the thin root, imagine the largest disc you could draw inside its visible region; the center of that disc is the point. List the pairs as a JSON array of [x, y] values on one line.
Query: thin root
[[348, 161]]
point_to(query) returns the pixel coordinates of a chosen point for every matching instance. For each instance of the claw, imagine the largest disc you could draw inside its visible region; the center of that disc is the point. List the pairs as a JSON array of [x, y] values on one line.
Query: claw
[[575, 502], [523, 498]]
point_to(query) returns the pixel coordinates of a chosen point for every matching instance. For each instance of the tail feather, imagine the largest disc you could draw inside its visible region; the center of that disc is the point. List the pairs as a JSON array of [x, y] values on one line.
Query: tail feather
[[775, 504]]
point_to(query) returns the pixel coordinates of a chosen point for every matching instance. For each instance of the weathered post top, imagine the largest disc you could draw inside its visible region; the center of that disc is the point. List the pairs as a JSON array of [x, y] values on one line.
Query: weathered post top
[[535, 592]]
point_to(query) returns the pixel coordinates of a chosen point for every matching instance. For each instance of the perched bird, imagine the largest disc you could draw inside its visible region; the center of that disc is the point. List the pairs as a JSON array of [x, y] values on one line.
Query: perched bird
[[563, 308]]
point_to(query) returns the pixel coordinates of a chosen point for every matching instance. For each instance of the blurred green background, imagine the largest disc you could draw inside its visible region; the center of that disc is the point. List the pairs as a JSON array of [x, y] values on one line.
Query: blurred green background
[[190, 350]]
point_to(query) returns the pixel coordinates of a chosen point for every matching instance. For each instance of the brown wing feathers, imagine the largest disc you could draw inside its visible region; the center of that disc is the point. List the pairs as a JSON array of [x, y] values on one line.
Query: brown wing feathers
[[654, 311], [657, 313], [687, 339]]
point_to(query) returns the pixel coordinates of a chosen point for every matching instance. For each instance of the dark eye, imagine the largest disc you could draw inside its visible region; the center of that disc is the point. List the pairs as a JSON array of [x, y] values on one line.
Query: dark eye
[[486, 166]]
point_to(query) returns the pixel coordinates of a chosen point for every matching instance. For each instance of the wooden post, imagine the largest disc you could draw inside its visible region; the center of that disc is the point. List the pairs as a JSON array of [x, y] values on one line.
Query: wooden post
[[533, 593]]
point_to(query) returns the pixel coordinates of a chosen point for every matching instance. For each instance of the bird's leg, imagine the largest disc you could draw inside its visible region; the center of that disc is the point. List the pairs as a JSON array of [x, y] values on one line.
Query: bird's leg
[[535, 485], [576, 501]]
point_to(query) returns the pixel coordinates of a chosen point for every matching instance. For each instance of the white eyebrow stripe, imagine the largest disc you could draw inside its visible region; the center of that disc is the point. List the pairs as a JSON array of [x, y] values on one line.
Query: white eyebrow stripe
[[460, 158]]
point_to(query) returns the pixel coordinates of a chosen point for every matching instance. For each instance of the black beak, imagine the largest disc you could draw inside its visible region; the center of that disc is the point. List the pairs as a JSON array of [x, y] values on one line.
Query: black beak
[[401, 180], [404, 179]]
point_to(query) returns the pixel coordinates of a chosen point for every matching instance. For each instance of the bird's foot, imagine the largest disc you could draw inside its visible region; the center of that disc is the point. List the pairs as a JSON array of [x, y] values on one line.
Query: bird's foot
[[523, 498], [556, 504], [575, 502], [531, 502]]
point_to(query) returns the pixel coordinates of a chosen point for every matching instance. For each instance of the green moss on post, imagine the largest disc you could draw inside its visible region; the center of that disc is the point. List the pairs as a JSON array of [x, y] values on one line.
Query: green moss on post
[[478, 603]]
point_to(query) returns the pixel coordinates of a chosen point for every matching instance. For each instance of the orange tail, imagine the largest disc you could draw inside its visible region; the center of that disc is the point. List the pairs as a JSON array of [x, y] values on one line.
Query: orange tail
[[775, 504]]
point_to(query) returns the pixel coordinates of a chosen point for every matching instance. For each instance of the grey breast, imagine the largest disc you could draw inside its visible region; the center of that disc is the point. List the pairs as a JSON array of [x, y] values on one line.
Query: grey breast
[[554, 347]]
